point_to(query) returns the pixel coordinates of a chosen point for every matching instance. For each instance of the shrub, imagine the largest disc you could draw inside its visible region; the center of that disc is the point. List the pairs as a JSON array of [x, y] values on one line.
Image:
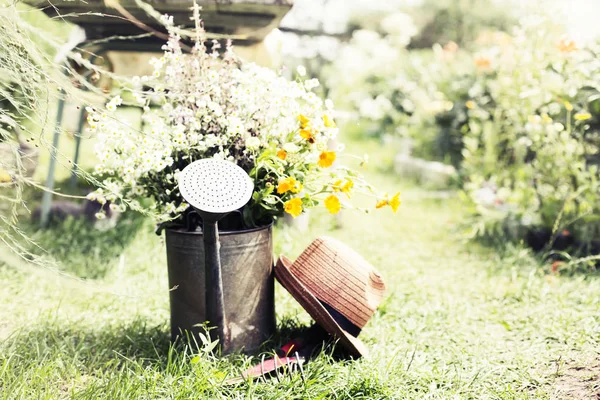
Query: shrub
[[461, 22], [401, 93], [531, 143], [518, 116]]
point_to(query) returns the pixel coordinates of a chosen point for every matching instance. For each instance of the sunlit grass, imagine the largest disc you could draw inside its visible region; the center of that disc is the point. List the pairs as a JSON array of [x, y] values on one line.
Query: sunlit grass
[[459, 321]]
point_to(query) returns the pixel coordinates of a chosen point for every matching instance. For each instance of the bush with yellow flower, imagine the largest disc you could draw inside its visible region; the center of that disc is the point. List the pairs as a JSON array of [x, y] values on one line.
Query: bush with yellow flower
[[210, 104], [530, 140]]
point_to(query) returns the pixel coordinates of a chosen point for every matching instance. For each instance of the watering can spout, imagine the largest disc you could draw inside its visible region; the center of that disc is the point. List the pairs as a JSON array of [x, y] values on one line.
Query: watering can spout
[[215, 306]]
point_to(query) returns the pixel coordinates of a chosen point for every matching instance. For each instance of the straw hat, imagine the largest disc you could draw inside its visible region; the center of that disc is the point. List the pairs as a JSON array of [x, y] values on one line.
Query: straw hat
[[336, 286]]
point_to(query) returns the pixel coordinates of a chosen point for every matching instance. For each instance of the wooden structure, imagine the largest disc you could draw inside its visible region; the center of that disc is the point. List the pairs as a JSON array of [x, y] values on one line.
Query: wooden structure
[[247, 20]]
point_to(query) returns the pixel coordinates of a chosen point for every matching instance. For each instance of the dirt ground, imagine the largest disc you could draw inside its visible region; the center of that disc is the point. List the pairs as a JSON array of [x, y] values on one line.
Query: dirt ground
[[579, 382]]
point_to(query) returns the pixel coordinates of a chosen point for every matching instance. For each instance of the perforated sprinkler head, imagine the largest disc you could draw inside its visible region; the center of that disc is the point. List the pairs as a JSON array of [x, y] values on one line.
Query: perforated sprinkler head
[[215, 186]]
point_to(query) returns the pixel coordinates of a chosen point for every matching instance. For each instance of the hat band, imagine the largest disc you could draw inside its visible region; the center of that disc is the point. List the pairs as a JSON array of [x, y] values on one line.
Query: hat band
[[341, 320]]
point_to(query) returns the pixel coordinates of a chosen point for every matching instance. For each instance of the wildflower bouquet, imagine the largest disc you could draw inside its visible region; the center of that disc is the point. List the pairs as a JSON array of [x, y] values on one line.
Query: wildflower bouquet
[[210, 104]]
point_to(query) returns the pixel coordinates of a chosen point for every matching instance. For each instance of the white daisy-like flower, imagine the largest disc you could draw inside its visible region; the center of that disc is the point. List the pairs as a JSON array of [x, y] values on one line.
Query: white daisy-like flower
[[253, 143], [301, 70]]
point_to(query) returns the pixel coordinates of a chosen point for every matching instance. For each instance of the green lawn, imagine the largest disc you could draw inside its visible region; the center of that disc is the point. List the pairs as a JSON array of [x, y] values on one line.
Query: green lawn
[[459, 321]]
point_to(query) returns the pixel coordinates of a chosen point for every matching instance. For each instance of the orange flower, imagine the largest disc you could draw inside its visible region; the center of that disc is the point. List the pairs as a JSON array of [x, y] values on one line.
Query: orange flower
[[332, 203], [293, 206], [282, 154], [482, 62], [556, 266], [326, 159], [451, 47], [566, 46]]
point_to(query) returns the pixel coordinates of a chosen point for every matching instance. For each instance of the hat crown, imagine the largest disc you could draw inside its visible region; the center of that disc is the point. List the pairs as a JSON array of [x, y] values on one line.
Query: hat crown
[[341, 278]]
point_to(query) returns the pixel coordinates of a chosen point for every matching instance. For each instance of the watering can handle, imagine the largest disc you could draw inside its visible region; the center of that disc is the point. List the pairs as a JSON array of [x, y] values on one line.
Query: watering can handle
[[215, 305]]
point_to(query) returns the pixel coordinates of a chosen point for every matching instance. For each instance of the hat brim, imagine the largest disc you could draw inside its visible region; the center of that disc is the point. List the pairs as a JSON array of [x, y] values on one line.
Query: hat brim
[[315, 309]]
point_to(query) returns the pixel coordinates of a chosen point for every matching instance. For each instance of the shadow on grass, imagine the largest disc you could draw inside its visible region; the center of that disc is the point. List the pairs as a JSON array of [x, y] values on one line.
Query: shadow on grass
[[134, 341], [137, 360], [289, 329], [83, 250]]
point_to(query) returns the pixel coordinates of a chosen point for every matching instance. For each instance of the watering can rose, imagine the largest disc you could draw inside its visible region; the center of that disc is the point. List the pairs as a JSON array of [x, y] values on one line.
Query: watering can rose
[[208, 104]]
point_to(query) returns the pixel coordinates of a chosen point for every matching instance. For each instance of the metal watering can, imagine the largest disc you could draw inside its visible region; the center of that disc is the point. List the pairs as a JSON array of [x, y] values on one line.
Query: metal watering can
[[215, 188]]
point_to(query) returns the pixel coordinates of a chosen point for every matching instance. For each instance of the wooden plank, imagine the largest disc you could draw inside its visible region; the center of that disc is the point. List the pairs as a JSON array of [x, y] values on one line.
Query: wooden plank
[[253, 19]]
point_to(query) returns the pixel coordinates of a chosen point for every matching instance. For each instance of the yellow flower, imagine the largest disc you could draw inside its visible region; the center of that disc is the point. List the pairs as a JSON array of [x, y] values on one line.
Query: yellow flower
[[470, 104], [293, 206], [345, 188], [395, 202], [326, 159], [546, 118], [582, 116], [566, 46], [332, 203], [329, 123], [337, 186], [297, 188], [383, 202], [4, 176], [304, 121], [568, 106], [282, 154], [306, 133], [289, 184], [284, 186]]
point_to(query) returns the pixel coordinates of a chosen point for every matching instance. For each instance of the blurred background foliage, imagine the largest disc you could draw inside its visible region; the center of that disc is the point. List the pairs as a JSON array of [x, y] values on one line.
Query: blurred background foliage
[[505, 92]]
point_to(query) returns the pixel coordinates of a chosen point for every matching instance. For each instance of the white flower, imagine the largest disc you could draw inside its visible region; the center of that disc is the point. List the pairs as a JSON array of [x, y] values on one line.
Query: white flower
[[311, 84], [166, 20], [485, 196], [301, 70], [100, 215], [117, 100], [253, 143], [290, 148]]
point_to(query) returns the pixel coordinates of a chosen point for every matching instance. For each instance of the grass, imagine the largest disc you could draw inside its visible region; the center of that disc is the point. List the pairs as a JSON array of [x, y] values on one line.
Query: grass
[[459, 321]]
